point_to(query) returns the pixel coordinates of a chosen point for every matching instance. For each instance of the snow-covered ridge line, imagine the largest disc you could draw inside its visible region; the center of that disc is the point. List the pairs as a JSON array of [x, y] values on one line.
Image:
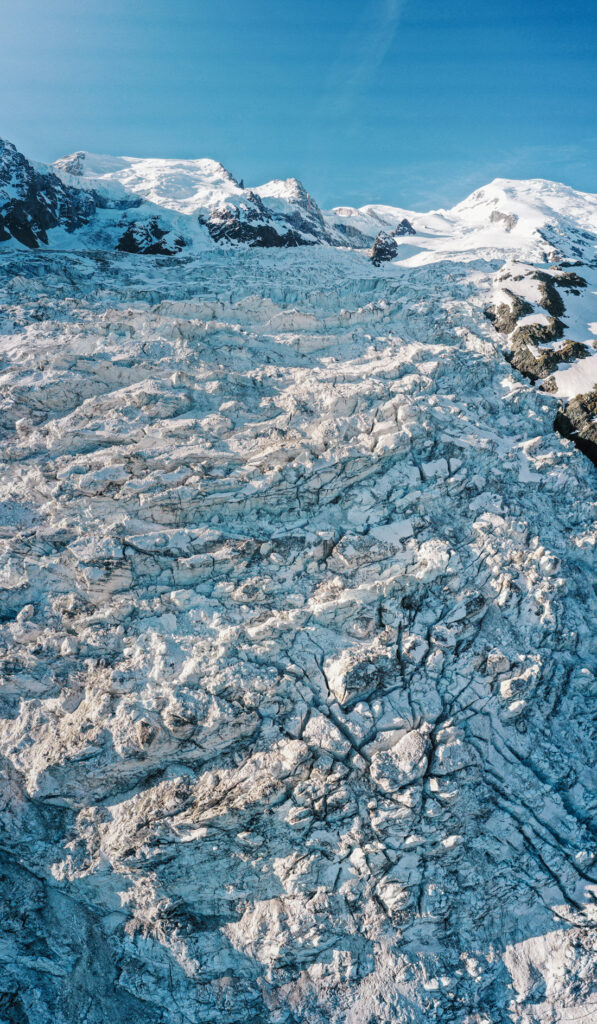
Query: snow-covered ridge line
[[162, 206]]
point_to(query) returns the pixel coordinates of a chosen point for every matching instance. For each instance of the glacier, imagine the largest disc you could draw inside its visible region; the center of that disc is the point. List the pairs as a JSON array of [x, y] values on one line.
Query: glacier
[[297, 628]]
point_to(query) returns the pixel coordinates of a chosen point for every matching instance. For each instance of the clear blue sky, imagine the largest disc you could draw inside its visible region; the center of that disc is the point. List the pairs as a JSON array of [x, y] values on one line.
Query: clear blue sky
[[413, 102]]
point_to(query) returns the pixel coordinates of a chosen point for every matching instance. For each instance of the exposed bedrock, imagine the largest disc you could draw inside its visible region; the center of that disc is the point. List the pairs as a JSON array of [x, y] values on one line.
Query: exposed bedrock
[[32, 202], [385, 248], [578, 421], [536, 349]]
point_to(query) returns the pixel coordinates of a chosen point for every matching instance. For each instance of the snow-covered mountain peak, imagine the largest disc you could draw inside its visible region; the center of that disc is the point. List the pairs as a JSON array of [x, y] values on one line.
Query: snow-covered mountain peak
[[278, 214], [527, 205], [505, 216], [186, 186], [290, 189]]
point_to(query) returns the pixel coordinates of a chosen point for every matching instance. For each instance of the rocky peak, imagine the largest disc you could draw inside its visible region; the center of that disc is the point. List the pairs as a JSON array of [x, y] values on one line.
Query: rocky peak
[[384, 249], [404, 228], [294, 208], [247, 219], [32, 201], [73, 164], [14, 169]]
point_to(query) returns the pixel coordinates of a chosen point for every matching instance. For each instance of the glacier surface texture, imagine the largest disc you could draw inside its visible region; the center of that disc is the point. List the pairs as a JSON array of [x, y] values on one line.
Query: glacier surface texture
[[298, 602]]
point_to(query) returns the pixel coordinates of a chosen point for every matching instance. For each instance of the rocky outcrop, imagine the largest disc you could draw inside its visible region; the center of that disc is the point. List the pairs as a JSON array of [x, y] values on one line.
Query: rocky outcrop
[[404, 228], [384, 249], [549, 296], [509, 220], [150, 239], [505, 316], [537, 365], [570, 281], [526, 340], [73, 164], [535, 348], [33, 201], [292, 207], [248, 220], [578, 422]]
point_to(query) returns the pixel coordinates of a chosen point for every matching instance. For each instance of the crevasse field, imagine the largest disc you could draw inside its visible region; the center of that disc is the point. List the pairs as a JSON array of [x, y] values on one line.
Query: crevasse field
[[298, 610]]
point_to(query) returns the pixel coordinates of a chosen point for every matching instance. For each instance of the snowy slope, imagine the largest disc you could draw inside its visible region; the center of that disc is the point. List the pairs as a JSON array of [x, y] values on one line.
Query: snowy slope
[[187, 186], [297, 647], [204, 189], [505, 215]]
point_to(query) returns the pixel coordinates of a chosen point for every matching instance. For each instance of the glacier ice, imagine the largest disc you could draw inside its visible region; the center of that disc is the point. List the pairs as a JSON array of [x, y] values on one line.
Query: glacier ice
[[298, 631]]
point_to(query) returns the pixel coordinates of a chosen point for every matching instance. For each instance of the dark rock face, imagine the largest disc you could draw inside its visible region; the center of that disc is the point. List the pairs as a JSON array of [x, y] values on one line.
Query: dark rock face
[[530, 337], [505, 317], [404, 228], [577, 422], [537, 367], [549, 297], [306, 216], [538, 334], [384, 249], [32, 202], [571, 282], [353, 236], [150, 239], [526, 340], [250, 221]]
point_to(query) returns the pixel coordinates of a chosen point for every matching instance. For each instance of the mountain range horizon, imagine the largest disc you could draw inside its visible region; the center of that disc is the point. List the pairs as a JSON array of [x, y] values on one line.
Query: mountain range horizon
[[278, 213]]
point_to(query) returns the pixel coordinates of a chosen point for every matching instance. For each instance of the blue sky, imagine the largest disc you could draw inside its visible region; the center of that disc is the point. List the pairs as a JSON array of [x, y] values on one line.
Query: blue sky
[[412, 102]]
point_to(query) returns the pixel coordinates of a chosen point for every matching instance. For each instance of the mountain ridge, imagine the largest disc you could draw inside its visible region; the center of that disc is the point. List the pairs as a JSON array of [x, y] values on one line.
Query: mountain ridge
[[203, 194]]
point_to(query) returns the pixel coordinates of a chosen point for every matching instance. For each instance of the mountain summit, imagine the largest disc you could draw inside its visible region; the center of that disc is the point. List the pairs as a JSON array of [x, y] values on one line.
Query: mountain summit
[[89, 201]]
